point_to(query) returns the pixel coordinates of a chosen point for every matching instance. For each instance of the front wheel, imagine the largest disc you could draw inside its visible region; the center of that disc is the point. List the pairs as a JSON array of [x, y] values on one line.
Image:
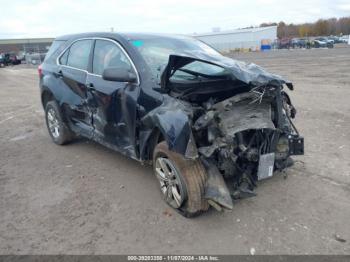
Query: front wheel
[[181, 181]]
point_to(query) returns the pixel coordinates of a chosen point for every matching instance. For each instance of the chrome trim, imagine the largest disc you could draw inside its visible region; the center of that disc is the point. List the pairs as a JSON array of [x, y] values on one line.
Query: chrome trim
[[97, 38]]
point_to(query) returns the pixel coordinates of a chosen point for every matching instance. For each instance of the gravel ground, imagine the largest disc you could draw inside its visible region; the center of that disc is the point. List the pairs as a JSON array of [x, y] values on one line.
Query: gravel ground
[[85, 199]]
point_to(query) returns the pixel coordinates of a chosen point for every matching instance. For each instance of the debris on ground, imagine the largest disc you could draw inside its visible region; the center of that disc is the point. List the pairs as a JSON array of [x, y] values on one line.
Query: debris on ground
[[252, 251], [167, 213], [339, 239]]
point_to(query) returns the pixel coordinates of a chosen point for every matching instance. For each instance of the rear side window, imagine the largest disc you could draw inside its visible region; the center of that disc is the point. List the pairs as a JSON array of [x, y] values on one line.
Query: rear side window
[[108, 54], [63, 59], [79, 53], [54, 50]]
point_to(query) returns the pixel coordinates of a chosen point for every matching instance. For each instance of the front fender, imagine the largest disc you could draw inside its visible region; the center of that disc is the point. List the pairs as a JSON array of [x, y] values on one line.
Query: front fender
[[173, 119]]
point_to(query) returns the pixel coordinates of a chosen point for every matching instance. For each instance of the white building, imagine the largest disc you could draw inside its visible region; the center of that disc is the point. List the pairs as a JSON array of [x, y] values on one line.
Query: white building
[[242, 39]]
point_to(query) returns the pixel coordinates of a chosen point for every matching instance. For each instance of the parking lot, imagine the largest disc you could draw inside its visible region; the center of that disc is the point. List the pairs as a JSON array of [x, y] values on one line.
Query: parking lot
[[85, 199]]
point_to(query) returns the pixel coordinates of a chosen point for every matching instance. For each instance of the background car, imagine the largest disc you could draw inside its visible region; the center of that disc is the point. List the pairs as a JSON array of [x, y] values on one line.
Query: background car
[[2, 60], [284, 43], [323, 42], [344, 39], [336, 39], [9, 59], [13, 59], [299, 43]]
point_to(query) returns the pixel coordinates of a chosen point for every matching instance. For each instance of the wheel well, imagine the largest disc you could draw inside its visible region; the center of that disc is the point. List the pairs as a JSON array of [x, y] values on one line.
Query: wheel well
[[46, 97], [155, 138], [160, 136]]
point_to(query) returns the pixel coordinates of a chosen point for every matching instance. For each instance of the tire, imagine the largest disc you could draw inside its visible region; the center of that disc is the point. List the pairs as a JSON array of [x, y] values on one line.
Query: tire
[[58, 129], [192, 177]]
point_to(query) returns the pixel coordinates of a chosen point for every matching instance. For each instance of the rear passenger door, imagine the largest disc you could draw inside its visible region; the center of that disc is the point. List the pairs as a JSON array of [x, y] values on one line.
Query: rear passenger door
[[73, 74], [114, 102]]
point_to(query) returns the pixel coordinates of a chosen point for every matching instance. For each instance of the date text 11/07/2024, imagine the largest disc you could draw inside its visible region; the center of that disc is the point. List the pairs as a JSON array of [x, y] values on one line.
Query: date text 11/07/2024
[[173, 258]]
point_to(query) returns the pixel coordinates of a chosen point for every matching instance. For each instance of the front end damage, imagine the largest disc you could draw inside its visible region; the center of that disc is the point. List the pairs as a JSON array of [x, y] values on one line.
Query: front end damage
[[245, 138], [240, 124]]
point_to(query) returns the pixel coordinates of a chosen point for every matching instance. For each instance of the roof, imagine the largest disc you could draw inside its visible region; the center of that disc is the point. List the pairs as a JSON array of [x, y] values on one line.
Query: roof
[[126, 35], [238, 31]]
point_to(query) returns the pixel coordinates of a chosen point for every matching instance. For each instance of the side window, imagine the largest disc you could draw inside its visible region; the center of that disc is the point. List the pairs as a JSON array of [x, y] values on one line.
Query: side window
[[63, 59], [79, 54], [56, 48], [108, 54]]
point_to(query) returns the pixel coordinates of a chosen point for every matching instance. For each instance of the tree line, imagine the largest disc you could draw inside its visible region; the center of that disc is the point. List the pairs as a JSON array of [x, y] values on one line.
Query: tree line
[[322, 27]]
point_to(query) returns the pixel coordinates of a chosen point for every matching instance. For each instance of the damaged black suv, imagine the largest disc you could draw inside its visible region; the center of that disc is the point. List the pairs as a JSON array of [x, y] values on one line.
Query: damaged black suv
[[211, 126]]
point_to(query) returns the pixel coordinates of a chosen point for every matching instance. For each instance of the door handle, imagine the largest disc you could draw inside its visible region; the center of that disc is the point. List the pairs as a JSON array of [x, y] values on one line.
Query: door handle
[[90, 86], [60, 74]]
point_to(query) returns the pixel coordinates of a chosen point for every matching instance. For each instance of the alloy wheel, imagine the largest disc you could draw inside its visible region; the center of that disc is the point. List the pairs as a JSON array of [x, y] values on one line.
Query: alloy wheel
[[53, 123], [170, 183]]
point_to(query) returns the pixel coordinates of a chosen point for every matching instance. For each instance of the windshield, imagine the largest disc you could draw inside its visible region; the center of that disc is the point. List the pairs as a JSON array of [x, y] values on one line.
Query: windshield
[[156, 52]]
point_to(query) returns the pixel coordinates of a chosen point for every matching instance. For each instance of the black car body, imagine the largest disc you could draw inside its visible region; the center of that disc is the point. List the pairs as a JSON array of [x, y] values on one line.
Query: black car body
[[211, 126]]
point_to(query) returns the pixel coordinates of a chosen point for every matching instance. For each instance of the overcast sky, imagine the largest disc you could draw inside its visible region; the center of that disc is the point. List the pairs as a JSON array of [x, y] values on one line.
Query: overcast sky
[[46, 18]]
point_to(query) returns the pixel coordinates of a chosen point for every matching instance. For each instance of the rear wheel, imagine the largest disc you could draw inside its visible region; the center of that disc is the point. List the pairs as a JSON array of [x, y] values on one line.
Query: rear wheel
[[58, 129], [181, 181]]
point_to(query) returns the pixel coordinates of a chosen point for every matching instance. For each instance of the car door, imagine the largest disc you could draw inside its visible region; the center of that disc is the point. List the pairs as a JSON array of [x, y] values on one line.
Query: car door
[[114, 105], [74, 63]]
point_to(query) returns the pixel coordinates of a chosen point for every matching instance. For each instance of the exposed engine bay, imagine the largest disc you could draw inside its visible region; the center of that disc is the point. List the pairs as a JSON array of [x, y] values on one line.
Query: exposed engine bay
[[245, 138]]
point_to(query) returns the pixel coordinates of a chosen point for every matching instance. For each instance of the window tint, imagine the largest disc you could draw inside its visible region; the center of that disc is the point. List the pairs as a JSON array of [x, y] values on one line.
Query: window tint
[[108, 54], [64, 58], [79, 54]]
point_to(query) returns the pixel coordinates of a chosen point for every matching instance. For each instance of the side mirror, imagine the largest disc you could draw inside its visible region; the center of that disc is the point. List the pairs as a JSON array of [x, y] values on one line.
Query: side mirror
[[118, 74]]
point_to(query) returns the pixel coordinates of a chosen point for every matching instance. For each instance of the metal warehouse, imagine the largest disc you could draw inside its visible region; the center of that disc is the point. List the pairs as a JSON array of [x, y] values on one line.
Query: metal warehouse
[[28, 45], [253, 39]]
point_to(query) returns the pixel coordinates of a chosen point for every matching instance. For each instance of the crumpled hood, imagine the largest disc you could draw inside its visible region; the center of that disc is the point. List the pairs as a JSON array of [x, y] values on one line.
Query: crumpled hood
[[250, 74]]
